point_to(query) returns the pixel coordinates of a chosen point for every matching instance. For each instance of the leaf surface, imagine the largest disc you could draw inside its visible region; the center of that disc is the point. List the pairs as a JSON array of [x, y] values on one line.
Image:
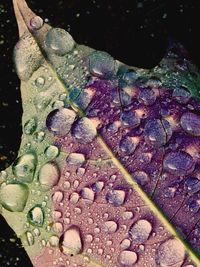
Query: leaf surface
[[108, 169]]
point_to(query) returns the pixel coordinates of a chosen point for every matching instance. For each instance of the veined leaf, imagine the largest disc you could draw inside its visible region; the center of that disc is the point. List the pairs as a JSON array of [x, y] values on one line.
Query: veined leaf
[[108, 169]]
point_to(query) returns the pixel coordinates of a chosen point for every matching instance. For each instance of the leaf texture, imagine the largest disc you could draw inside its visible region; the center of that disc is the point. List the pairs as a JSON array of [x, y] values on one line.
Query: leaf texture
[[109, 164]]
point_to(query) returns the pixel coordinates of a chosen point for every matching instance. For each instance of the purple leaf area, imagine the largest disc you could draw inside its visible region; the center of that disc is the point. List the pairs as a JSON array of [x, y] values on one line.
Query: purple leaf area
[[108, 172]]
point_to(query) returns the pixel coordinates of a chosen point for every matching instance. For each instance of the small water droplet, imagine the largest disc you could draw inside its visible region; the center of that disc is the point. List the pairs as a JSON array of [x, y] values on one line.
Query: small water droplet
[[36, 23], [30, 238], [127, 215], [40, 82], [98, 186], [190, 123], [51, 152], [54, 241], [87, 194], [116, 197], [30, 126], [146, 96], [110, 227], [74, 198], [57, 197], [125, 244], [49, 175], [36, 216], [80, 172], [76, 159], [130, 118], [141, 177]]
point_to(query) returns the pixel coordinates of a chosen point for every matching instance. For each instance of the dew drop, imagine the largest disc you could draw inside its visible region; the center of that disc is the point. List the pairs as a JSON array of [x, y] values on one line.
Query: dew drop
[[98, 186], [141, 177], [110, 227], [30, 238], [76, 159], [30, 126], [24, 167], [170, 253], [181, 95], [58, 227], [128, 258], [190, 123], [84, 131], [71, 242], [57, 197], [39, 136], [49, 175], [192, 185], [80, 172], [130, 118], [128, 144], [54, 241], [127, 215], [147, 96], [51, 152], [74, 198], [125, 244], [194, 205], [40, 82], [115, 197], [140, 231], [59, 121], [180, 163], [36, 23], [88, 194], [36, 216], [59, 41], [13, 197], [101, 64]]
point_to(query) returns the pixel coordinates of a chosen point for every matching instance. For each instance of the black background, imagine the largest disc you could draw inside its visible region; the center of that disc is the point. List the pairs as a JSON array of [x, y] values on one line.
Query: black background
[[135, 32]]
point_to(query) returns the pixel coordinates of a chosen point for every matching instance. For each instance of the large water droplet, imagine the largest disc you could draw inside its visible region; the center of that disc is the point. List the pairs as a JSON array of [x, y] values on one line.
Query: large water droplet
[[59, 121], [170, 253], [36, 216], [36, 23], [116, 197], [71, 242], [130, 118], [84, 131], [110, 227], [190, 123], [24, 168], [101, 64], [140, 231], [141, 177], [30, 126], [147, 96], [156, 132], [76, 159], [51, 152], [87, 194], [128, 258], [181, 95], [180, 163], [13, 197], [59, 41], [128, 144], [49, 175]]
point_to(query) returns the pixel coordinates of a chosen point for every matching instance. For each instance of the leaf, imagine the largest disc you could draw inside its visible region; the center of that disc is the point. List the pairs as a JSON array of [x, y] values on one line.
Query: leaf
[[108, 169]]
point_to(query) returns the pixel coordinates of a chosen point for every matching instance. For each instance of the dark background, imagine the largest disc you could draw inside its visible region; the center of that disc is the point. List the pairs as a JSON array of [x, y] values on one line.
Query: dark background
[[135, 32]]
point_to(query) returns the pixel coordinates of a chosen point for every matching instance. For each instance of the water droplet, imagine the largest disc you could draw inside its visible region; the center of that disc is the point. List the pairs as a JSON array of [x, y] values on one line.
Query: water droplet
[[56, 215], [194, 205], [49, 175], [87, 194], [146, 96], [76, 159], [58, 227], [36, 23], [51, 152], [80, 172], [128, 144], [39, 136], [128, 258], [36, 232], [141, 177], [74, 198], [110, 227], [42, 101], [54, 241], [59, 41], [127, 215], [24, 167], [190, 123], [170, 191], [170, 253], [71, 242], [40, 82], [180, 163], [101, 64], [140, 231], [30, 126], [84, 131], [192, 185], [88, 238], [130, 118], [30, 239], [98, 186], [59, 121], [130, 77], [126, 243], [115, 197], [84, 99], [157, 132], [181, 95], [36, 216], [57, 197], [13, 197]]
